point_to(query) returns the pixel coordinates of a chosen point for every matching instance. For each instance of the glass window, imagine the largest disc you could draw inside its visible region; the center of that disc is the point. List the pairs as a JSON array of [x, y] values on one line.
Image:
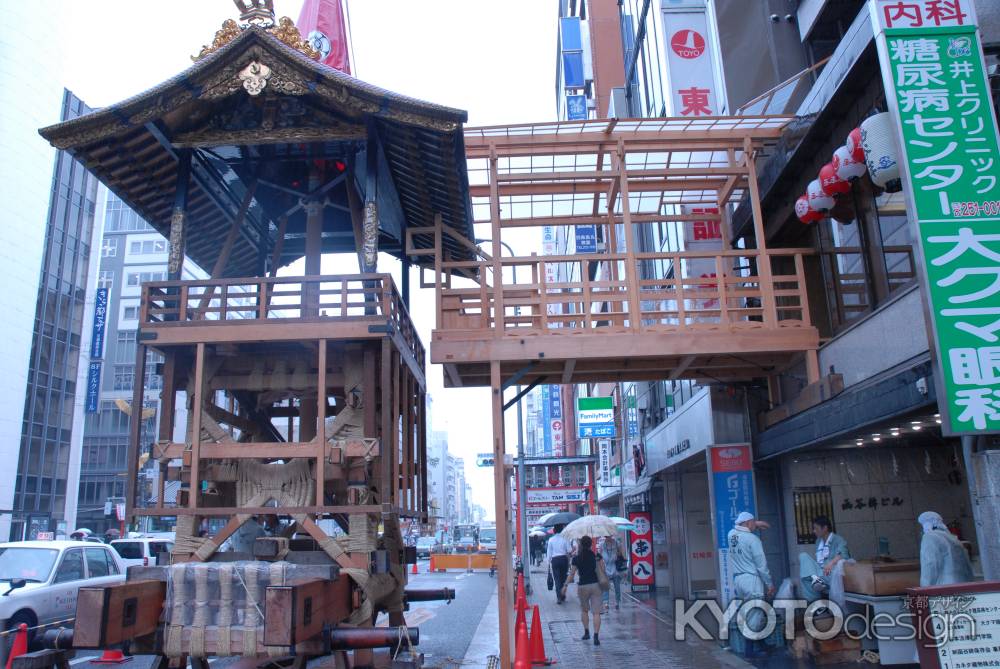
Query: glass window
[[571, 39], [130, 313], [573, 69], [130, 550], [71, 568], [124, 377], [109, 248], [106, 279], [32, 564], [97, 562]]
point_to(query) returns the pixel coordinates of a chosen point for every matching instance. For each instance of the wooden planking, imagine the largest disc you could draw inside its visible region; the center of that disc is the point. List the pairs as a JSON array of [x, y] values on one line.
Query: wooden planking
[[296, 613], [112, 614]]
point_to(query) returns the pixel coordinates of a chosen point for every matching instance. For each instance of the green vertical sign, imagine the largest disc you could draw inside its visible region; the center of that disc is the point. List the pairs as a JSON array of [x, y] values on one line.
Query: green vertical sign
[[938, 92]]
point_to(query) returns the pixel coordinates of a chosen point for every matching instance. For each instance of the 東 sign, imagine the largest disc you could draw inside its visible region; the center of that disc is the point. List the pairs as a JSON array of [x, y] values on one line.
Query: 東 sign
[[595, 417], [939, 96]]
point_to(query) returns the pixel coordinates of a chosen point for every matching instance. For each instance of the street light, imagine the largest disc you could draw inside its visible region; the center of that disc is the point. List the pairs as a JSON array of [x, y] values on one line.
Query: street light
[[522, 521]]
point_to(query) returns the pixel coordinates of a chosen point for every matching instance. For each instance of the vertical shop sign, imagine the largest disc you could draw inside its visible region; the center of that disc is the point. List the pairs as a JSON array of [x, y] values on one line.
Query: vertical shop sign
[[93, 386], [100, 323], [556, 418], [731, 479], [604, 449], [690, 67], [640, 542], [546, 421], [576, 107], [939, 98]]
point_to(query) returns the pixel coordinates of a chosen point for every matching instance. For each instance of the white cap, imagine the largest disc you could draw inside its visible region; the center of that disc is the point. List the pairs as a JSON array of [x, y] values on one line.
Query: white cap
[[743, 517]]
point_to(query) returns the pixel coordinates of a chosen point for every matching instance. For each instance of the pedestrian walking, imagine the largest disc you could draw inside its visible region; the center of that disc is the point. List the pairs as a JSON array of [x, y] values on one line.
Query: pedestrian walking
[[943, 558], [614, 565], [750, 574], [590, 567], [557, 552]]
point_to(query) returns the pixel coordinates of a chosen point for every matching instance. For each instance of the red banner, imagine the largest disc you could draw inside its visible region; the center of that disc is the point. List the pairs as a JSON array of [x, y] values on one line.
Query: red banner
[[641, 549], [322, 23]]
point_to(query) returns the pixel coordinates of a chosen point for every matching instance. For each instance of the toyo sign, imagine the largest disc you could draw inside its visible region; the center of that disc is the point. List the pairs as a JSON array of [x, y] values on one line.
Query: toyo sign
[[595, 417], [939, 98]]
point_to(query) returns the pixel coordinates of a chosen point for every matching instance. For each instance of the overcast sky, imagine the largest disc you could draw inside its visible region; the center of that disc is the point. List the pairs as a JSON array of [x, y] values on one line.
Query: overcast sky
[[494, 59]]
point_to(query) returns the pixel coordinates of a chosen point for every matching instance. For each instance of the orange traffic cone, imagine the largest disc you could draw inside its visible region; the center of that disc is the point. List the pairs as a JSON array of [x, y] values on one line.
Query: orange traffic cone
[[112, 656], [522, 652], [536, 640], [521, 620], [414, 570], [20, 646], [522, 599]]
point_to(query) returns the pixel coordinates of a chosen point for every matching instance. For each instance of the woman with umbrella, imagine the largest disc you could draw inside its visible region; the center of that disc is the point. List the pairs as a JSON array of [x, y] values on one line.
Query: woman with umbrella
[[592, 569]]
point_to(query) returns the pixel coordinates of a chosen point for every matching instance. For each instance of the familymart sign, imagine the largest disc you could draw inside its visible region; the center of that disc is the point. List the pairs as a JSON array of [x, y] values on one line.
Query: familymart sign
[[595, 417], [937, 90]]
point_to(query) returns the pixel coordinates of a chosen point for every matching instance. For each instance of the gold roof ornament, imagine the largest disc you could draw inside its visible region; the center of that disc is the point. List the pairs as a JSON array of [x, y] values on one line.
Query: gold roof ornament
[[258, 14]]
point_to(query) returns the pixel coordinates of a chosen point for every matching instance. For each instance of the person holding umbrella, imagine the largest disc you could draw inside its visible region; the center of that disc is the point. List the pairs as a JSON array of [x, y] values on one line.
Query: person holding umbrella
[[611, 554], [590, 567]]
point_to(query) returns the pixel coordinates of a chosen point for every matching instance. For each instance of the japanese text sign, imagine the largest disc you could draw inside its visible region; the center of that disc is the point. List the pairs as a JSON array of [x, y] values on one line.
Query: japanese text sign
[[595, 417], [731, 478], [691, 71], [640, 542], [936, 82], [100, 323]]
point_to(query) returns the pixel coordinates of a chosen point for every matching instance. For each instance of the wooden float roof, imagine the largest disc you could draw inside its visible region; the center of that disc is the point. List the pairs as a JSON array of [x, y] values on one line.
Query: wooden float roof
[[307, 111]]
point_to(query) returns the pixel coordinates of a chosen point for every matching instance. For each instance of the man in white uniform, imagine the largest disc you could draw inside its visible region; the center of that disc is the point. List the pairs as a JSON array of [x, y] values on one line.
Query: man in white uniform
[[557, 551], [751, 578], [943, 559]]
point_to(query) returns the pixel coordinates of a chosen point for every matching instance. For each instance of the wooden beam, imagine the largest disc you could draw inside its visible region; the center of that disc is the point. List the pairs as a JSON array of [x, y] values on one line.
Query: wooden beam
[[682, 367], [108, 615], [295, 613], [502, 503], [198, 402], [568, 371], [321, 446]]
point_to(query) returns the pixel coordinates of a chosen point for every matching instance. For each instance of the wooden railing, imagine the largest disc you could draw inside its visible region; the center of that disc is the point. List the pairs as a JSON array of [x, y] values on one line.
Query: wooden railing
[[370, 297], [668, 292]]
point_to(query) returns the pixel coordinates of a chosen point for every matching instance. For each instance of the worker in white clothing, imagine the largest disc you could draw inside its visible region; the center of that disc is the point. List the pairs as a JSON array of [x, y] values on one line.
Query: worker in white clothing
[[751, 578], [943, 558]]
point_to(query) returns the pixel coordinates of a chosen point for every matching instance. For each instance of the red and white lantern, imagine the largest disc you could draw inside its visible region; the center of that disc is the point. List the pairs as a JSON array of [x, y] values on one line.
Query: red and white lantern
[[818, 199], [853, 145], [846, 167], [878, 139], [806, 213], [831, 183]]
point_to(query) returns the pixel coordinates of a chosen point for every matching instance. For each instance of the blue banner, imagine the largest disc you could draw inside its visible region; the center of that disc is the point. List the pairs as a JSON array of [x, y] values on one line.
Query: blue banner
[[555, 403], [100, 323], [93, 386], [546, 422], [731, 468], [576, 107], [586, 239]]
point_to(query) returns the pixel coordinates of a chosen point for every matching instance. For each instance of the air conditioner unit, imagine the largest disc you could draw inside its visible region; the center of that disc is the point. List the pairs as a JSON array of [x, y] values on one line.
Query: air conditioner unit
[[643, 403]]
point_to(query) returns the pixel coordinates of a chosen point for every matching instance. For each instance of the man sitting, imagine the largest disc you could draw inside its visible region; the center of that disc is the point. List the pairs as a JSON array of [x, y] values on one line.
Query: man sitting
[[830, 549]]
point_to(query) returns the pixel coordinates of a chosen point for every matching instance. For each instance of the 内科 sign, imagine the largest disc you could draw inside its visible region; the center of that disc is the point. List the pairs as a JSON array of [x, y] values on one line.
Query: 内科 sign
[[939, 97], [595, 417]]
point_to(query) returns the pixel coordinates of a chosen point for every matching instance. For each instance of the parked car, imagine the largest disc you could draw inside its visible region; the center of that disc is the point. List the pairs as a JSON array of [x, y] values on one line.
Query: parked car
[[426, 546], [141, 551], [40, 580]]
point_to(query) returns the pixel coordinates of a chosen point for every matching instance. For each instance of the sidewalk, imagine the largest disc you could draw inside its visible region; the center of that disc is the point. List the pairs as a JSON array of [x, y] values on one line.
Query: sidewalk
[[636, 637]]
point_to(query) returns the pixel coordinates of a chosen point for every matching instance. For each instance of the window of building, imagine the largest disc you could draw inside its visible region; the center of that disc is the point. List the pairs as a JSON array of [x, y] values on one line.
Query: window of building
[[109, 247], [106, 279], [124, 377], [119, 218], [571, 43], [130, 313], [139, 278], [148, 246]]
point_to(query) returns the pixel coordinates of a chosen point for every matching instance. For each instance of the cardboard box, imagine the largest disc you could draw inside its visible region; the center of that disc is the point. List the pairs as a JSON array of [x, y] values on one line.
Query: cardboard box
[[880, 577]]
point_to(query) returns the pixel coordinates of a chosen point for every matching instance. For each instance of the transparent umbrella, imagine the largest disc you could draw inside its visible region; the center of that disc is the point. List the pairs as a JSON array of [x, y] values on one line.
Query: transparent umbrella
[[591, 526]]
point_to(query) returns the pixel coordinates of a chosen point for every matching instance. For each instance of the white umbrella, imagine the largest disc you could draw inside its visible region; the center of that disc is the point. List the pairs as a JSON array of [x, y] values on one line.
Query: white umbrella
[[536, 533], [622, 523], [591, 526]]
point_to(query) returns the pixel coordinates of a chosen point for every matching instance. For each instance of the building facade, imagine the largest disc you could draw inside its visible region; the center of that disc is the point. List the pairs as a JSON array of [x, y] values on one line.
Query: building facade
[[131, 253], [863, 446], [48, 461]]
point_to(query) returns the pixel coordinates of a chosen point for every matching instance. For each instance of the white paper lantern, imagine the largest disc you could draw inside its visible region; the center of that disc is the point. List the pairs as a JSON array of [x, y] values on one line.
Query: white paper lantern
[[806, 213], [818, 199], [878, 139], [846, 166]]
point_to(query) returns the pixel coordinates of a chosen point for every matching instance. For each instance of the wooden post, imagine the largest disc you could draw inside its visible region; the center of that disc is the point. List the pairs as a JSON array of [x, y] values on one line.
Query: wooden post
[[314, 246], [388, 441], [178, 218], [505, 597], [198, 399], [763, 259], [631, 272], [321, 426], [135, 428], [499, 317]]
